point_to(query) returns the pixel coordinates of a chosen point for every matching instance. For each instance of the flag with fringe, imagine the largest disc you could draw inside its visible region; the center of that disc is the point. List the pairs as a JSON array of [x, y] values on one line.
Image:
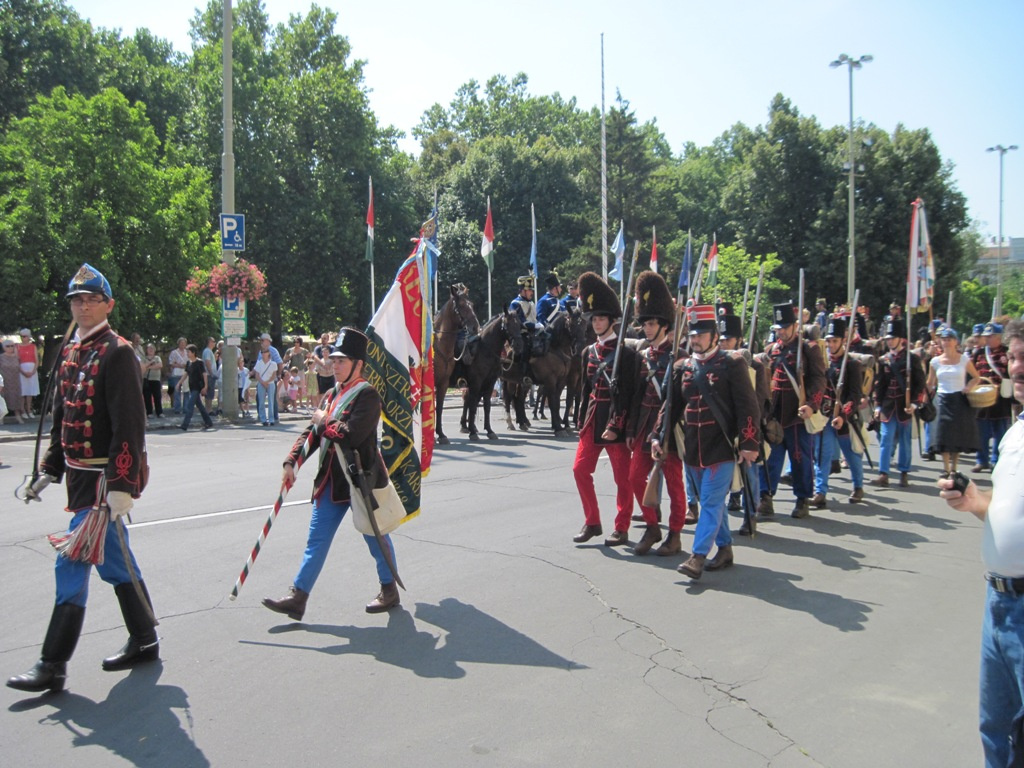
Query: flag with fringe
[[921, 271]]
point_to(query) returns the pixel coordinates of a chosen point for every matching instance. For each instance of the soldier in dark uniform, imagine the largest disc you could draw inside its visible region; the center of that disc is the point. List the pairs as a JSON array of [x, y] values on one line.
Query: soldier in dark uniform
[[98, 445], [655, 310], [719, 411], [890, 401], [991, 362], [548, 305], [837, 432], [791, 414], [523, 304], [607, 408]]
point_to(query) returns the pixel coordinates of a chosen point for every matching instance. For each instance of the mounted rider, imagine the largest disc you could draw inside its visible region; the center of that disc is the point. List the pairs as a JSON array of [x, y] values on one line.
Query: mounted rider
[[548, 308]]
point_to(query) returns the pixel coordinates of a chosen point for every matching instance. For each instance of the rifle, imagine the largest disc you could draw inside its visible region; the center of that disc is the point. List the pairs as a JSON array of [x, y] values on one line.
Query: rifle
[[743, 312], [610, 431], [753, 316]]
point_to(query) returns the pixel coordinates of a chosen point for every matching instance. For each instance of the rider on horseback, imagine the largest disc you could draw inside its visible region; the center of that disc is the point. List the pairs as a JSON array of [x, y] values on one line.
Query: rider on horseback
[[547, 310]]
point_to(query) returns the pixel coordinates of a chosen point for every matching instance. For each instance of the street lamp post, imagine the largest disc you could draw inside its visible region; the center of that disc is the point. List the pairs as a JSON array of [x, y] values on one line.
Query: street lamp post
[[998, 309], [851, 65]]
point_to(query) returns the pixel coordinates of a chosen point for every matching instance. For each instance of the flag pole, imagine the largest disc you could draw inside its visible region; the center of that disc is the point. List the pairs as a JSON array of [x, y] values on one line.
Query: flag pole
[[604, 181], [369, 251], [436, 225]]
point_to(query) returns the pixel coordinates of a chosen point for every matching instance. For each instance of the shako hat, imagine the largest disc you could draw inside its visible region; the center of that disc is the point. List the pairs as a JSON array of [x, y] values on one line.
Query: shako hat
[[992, 329], [653, 298], [730, 326], [894, 328], [724, 308], [88, 279], [552, 281], [836, 328], [351, 343], [597, 297], [783, 315], [525, 281], [701, 318]]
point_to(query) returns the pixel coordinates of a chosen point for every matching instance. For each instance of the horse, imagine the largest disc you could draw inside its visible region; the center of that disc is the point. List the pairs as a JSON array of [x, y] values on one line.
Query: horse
[[550, 371], [455, 318], [483, 371]]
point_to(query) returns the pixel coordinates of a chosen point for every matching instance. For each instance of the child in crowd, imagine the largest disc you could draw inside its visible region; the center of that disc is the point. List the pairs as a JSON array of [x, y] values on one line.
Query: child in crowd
[[243, 387]]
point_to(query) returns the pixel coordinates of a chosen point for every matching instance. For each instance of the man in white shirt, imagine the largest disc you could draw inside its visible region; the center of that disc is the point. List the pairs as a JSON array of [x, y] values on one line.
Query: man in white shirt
[[1002, 549]]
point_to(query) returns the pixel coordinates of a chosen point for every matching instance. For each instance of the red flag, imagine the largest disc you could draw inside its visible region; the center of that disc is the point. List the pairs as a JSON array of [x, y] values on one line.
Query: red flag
[[369, 227], [654, 249], [488, 242]]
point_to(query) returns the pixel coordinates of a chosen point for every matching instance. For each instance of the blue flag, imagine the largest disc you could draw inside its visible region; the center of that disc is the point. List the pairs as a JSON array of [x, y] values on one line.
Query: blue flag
[[619, 249], [684, 274], [533, 244]]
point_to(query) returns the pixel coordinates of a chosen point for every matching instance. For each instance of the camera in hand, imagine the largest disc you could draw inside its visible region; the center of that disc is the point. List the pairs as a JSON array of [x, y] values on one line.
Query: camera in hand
[[960, 481]]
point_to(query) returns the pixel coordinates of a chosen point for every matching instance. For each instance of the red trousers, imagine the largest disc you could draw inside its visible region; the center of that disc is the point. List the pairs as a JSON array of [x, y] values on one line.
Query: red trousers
[[640, 469], [587, 453]]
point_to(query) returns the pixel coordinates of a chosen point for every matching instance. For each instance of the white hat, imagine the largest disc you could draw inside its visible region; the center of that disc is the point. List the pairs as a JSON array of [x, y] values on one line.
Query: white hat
[[265, 336]]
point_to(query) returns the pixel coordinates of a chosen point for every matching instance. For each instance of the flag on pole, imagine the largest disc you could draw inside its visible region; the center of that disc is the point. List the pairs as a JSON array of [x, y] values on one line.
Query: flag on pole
[[921, 271], [487, 246], [684, 272], [369, 226], [428, 233], [533, 243], [713, 263], [619, 249], [400, 365], [654, 249]]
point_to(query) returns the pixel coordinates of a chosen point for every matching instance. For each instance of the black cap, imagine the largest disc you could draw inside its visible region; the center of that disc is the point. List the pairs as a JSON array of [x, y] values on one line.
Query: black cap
[[351, 343]]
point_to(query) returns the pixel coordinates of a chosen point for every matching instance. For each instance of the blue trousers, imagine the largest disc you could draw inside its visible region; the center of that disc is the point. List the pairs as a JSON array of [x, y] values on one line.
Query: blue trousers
[[327, 516], [831, 442], [266, 395], [73, 577], [991, 431], [798, 444], [712, 483], [1002, 673], [193, 401], [892, 434], [176, 396]]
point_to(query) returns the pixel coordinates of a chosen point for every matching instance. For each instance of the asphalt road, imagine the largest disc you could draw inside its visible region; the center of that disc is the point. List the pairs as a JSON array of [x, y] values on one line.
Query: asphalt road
[[847, 639]]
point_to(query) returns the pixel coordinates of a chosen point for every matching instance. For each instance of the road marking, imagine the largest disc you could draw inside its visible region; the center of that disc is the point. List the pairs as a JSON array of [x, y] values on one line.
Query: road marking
[[206, 515]]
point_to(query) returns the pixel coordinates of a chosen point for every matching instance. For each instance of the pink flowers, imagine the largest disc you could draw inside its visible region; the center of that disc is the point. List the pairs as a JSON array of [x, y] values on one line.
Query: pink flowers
[[240, 279]]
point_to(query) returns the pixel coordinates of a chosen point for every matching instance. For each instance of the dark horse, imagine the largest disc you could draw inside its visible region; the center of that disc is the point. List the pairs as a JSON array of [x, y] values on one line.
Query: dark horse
[[551, 371], [483, 371], [455, 318]]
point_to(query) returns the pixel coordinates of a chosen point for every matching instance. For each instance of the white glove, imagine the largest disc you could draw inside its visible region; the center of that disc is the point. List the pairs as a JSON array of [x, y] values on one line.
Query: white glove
[[37, 487], [120, 503]]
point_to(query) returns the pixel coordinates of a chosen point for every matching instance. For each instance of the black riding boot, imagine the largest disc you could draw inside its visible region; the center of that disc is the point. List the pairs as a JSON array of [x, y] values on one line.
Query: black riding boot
[[143, 644], [51, 670]]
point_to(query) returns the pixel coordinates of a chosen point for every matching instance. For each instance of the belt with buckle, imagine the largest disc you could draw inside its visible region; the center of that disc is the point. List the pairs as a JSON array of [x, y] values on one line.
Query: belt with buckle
[[1006, 586]]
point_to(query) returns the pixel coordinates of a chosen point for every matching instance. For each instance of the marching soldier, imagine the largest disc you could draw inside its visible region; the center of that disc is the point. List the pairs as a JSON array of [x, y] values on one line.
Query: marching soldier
[[790, 412], [655, 311], [719, 412], [991, 361], [838, 431], [891, 408], [606, 395], [98, 445]]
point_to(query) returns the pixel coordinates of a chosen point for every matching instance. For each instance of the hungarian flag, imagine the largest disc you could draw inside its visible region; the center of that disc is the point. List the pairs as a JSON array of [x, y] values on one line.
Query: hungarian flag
[[654, 249], [713, 263], [369, 226], [921, 271], [400, 365], [619, 249], [487, 246]]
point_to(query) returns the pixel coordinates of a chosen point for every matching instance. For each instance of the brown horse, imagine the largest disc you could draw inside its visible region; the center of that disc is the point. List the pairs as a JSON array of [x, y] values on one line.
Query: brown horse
[[487, 363], [456, 318]]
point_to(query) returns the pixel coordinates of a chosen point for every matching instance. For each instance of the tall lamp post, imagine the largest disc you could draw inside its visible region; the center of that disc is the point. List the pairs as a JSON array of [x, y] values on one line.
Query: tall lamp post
[[851, 278], [998, 309]]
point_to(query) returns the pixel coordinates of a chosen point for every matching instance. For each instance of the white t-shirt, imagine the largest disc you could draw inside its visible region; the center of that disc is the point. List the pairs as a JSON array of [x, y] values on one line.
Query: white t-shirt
[[950, 378], [263, 369], [1002, 546]]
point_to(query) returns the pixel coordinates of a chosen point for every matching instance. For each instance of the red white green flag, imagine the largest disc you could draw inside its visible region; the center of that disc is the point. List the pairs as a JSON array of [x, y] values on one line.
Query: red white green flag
[[921, 271], [369, 227], [713, 263], [487, 246]]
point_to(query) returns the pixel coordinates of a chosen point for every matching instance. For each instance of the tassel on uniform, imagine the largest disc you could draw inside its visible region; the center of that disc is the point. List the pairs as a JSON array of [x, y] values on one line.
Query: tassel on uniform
[[86, 543]]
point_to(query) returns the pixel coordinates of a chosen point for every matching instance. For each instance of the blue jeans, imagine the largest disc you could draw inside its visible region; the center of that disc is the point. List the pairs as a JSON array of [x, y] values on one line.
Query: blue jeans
[[798, 444], [1002, 673], [991, 430], [892, 434], [327, 516], [830, 441], [176, 394], [712, 484], [73, 577], [265, 396], [193, 401]]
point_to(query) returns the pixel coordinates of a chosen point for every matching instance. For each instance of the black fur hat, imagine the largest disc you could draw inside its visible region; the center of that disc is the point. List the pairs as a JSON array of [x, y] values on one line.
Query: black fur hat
[[597, 297], [653, 298]]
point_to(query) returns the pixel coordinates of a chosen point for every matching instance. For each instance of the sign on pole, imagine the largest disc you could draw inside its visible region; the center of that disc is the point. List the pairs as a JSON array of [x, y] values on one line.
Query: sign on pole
[[232, 232]]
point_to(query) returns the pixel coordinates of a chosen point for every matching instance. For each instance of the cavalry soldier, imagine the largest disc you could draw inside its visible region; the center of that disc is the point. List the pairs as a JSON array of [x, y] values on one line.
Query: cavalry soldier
[[571, 300], [523, 304], [838, 431], [790, 412], [98, 444], [548, 306], [890, 391], [655, 311], [606, 395], [991, 361], [719, 412]]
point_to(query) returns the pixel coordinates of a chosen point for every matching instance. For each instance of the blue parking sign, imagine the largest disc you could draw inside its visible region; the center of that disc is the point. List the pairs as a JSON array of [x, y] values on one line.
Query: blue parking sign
[[232, 232]]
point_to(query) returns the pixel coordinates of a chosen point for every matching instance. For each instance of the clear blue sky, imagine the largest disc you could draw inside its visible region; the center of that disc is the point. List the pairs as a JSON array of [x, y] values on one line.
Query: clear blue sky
[[954, 67]]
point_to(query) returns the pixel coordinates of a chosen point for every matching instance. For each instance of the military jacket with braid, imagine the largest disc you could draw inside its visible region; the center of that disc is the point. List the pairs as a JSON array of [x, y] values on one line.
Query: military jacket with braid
[[891, 384], [604, 407], [785, 400], [851, 394], [1002, 409], [653, 362], [99, 419]]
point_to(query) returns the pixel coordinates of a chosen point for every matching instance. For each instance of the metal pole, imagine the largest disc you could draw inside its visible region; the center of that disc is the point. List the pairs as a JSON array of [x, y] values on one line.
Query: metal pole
[[851, 264], [229, 355], [604, 178], [997, 307]]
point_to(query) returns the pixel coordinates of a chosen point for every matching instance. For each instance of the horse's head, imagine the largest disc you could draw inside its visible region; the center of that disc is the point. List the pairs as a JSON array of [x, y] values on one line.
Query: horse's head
[[513, 330], [458, 313], [577, 326]]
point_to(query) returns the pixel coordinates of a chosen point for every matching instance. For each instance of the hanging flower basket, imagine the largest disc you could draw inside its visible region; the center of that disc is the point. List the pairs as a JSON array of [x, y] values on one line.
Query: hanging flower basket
[[241, 279]]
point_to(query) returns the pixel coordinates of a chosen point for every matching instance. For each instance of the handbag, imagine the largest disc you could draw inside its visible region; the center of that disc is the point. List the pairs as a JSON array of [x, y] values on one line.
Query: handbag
[[926, 411], [389, 512]]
